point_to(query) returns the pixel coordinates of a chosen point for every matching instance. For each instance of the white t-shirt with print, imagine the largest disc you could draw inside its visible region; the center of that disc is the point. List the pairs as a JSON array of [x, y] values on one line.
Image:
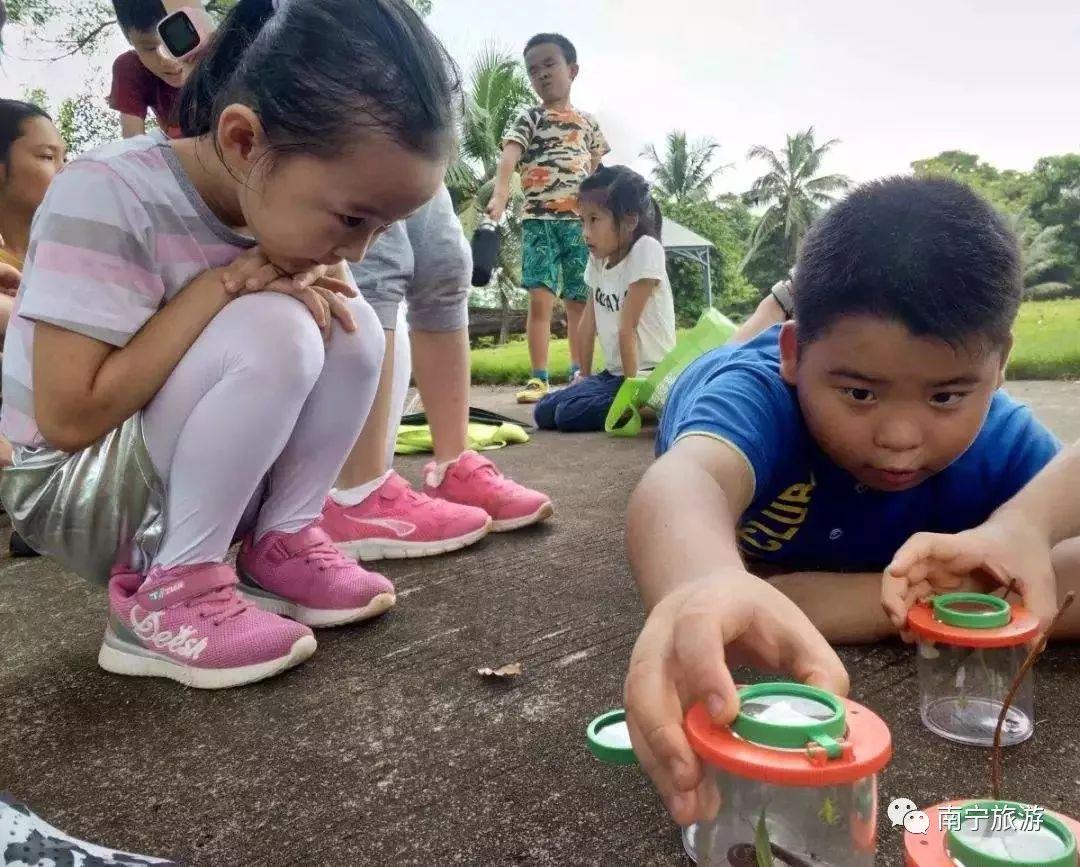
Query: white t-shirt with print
[[656, 328]]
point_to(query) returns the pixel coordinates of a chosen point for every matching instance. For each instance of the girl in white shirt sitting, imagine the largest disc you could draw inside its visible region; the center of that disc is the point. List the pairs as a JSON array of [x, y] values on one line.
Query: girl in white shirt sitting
[[631, 308]]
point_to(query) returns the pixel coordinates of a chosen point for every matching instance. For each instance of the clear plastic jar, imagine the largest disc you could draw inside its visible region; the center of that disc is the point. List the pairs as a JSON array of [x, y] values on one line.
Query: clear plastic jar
[[970, 648], [796, 772], [993, 834]]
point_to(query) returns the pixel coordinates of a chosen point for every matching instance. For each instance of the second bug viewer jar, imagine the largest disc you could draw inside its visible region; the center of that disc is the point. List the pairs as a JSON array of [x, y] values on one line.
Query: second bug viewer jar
[[970, 648]]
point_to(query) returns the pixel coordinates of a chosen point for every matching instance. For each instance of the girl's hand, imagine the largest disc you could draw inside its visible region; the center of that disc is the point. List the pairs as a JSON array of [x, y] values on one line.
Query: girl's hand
[[252, 271], [324, 299], [320, 289]]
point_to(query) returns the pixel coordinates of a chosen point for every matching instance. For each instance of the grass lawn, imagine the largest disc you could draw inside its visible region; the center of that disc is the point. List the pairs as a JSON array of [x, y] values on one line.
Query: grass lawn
[[1047, 347], [1047, 341]]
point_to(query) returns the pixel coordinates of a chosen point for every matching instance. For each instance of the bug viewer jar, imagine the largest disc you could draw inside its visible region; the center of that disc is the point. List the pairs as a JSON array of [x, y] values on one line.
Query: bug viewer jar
[[993, 834], [970, 648], [795, 773]]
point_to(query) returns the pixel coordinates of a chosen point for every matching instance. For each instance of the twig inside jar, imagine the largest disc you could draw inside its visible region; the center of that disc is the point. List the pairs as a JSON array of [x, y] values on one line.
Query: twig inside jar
[[745, 855]]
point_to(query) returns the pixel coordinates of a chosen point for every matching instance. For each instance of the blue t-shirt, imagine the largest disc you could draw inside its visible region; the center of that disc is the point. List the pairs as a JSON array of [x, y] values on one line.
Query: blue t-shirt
[[808, 513]]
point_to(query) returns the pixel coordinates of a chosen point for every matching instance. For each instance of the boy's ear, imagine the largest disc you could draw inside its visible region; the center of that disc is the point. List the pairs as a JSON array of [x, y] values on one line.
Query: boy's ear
[[1006, 351], [789, 352], [574, 68]]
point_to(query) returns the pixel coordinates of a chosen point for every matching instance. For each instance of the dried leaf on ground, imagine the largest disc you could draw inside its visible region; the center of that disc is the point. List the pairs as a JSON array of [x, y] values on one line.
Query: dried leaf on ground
[[511, 670]]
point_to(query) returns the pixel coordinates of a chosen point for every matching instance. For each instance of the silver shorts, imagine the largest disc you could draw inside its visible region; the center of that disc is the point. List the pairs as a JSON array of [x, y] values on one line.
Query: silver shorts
[[92, 510]]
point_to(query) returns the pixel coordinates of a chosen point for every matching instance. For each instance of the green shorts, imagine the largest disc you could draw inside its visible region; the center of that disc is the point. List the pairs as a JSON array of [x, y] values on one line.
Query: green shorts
[[551, 248]]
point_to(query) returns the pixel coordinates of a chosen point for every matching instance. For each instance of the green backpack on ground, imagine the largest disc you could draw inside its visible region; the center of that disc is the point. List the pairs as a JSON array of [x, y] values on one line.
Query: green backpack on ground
[[713, 329]]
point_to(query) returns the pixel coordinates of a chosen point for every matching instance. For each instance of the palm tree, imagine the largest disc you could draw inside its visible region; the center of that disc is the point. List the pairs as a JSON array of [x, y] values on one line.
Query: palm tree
[[683, 173], [1038, 255], [792, 191], [498, 90]]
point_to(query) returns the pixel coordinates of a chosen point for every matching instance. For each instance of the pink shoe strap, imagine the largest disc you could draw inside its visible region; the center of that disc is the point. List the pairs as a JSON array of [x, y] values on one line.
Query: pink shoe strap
[[313, 544], [177, 585], [471, 463]]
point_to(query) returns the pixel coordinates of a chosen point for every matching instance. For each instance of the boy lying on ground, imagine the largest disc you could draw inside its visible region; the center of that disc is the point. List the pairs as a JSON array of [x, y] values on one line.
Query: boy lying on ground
[[811, 453]]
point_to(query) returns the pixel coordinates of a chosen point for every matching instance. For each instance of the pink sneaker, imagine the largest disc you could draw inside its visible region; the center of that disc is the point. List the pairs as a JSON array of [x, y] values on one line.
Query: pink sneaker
[[303, 576], [473, 480], [395, 521], [189, 624]]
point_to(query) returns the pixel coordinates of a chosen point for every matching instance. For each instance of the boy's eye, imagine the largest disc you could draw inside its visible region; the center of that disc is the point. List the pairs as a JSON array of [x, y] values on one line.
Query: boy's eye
[[948, 398], [352, 222], [859, 395]]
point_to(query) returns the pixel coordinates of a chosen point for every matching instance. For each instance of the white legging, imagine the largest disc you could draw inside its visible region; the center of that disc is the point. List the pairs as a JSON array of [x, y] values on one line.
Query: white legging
[[399, 387], [258, 397]]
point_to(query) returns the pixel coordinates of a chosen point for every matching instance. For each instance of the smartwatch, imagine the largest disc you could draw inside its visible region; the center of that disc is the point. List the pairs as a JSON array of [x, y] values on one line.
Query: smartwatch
[[186, 32]]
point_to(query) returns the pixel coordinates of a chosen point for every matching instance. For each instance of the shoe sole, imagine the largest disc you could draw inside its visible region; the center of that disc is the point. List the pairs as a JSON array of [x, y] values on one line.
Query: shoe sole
[[541, 514], [371, 550], [119, 657], [314, 617]]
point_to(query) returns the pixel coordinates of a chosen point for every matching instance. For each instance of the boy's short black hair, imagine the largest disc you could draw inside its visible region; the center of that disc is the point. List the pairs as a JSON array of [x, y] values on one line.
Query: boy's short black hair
[[928, 253], [141, 15], [564, 45]]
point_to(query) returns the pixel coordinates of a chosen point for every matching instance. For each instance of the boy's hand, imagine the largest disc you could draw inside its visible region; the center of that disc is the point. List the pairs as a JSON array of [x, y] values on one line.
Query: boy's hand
[[992, 554], [497, 207], [319, 288], [681, 657]]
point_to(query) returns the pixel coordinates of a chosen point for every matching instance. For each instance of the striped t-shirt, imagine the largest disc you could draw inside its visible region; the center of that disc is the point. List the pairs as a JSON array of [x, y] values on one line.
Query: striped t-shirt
[[120, 232]]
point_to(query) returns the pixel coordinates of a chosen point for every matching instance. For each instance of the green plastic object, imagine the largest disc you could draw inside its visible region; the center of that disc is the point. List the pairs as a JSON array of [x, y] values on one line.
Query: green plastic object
[[972, 610], [609, 739], [971, 850], [789, 716], [713, 329], [624, 416]]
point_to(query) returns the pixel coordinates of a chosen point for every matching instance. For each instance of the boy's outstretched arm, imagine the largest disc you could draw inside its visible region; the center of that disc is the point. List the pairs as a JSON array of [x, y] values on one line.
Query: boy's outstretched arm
[[704, 608], [1016, 542], [859, 620], [511, 156]]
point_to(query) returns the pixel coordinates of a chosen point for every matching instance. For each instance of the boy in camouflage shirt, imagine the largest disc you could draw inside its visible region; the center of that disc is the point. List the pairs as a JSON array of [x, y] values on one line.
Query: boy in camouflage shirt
[[557, 147]]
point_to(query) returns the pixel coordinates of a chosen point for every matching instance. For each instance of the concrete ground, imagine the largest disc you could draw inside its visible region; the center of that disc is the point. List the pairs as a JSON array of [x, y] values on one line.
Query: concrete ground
[[387, 748]]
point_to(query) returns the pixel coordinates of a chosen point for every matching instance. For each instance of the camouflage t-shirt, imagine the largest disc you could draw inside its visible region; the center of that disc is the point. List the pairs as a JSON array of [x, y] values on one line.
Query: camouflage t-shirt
[[559, 149]]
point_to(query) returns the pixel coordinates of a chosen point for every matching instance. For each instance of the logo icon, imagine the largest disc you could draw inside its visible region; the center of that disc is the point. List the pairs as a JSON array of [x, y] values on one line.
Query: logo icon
[[916, 822], [898, 809], [401, 529]]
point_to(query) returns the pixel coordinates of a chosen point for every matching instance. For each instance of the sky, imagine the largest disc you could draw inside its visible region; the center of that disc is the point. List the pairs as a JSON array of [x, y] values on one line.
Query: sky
[[893, 82]]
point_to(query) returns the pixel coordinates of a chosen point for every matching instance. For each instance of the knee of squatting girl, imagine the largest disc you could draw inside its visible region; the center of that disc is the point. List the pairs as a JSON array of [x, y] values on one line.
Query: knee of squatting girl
[[209, 366]]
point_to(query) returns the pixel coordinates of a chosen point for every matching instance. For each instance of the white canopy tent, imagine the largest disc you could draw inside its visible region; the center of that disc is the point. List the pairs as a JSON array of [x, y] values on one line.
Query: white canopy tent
[[681, 242]]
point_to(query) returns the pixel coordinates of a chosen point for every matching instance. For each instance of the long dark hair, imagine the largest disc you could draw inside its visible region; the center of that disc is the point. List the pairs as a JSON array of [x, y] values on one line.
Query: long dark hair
[[320, 72], [13, 113], [625, 193]]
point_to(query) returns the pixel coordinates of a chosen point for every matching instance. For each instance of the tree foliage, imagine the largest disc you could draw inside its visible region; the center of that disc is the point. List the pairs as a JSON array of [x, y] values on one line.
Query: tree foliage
[[728, 225], [1009, 190], [792, 191], [1042, 207], [85, 122], [81, 24], [684, 173]]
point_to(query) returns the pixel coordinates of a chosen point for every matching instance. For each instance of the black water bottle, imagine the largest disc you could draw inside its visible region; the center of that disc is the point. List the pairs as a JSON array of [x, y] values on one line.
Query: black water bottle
[[485, 252]]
